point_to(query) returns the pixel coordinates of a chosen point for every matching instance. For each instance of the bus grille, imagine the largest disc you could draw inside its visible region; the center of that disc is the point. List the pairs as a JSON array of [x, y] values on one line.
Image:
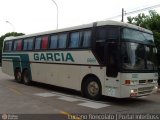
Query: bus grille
[[142, 81], [145, 81], [145, 90], [150, 81]]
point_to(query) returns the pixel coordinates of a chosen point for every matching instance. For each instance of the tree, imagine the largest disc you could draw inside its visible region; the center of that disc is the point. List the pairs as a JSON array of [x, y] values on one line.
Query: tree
[[139, 20]]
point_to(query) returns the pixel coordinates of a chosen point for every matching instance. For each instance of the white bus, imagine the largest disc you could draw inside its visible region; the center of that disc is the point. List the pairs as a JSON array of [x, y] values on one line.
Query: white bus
[[102, 58]]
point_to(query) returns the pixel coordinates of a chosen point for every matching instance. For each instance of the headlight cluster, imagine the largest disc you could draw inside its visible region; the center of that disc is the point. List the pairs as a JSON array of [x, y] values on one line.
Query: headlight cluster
[[134, 82], [155, 81], [131, 82]]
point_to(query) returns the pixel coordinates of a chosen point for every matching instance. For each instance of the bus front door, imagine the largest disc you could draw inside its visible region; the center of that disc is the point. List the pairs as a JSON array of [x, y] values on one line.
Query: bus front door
[[112, 83]]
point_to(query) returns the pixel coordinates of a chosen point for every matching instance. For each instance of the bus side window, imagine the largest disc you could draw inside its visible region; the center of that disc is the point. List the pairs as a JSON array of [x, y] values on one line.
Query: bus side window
[[75, 40], [62, 42], [38, 43], [17, 45], [5, 47], [44, 44], [86, 39], [8, 46], [25, 44], [28, 44], [54, 42]]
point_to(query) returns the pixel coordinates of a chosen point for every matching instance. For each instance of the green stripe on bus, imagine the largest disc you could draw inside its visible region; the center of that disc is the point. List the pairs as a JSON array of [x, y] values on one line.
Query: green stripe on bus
[[19, 60]]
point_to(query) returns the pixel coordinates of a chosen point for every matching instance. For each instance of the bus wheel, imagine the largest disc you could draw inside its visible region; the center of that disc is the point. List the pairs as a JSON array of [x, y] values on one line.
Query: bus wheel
[[92, 88], [18, 75], [25, 77]]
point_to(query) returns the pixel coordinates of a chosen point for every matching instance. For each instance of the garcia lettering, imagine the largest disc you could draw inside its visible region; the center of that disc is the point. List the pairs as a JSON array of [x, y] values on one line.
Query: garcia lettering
[[60, 57]]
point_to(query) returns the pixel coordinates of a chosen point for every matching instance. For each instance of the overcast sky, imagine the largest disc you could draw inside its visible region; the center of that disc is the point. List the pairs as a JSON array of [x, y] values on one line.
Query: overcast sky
[[31, 16]]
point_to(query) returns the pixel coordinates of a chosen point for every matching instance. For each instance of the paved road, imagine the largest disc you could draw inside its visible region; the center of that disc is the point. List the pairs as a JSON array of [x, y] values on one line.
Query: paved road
[[17, 98]]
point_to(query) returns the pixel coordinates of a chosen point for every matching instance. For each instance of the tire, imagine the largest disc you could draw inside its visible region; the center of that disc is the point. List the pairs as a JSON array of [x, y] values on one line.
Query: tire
[[92, 88], [26, 77], [18, 76]]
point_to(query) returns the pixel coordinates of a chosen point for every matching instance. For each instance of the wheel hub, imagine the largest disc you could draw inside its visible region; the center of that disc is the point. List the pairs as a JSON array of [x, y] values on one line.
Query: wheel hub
[[93, 88]]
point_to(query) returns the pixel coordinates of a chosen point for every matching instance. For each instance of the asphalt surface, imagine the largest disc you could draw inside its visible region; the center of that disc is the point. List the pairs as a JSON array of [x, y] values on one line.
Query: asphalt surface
[[42, 101]]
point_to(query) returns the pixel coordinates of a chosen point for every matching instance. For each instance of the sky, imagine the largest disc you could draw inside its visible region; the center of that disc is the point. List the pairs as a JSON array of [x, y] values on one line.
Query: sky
[[33, 16]]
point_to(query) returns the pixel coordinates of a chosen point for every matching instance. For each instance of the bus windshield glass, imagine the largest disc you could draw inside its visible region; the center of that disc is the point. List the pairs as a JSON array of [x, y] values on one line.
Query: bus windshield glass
[[130, 34], [137, 50], [137, 56]]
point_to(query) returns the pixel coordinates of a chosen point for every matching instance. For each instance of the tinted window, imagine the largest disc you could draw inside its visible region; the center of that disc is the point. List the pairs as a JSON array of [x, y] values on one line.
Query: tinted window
[[62, 41], [113, 33], [112, 60], [25, 44], [109, 33], [136, 35], [28, 44], [54, 42], [87, 39], [44, 42], [8, 46], [17, 45], [102, 34], [38, 43], [74, 40]]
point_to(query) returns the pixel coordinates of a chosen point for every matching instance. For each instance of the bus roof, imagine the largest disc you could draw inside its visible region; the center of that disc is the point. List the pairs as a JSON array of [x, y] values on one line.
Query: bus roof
[[99, 23]]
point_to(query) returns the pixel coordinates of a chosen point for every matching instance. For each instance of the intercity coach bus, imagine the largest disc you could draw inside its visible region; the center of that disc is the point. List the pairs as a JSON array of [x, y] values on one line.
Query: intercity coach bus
[[102, 58]]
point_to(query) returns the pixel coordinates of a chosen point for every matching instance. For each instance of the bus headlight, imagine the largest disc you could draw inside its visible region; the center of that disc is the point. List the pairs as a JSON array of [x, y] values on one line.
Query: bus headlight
[[131, 82], [155, 87], [133, 92], [154, 81], [134, 82]]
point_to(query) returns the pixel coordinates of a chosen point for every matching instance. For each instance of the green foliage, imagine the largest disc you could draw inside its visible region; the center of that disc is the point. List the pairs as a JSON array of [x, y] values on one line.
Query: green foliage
[[151, 21], [139, 20]]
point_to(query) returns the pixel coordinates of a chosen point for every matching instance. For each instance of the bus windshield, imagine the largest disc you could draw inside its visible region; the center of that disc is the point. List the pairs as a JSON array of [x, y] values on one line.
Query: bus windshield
[[135, 55], [131, 34]]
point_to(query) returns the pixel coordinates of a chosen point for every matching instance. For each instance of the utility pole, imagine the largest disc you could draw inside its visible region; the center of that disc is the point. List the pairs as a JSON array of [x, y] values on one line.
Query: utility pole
[[122, 15]]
